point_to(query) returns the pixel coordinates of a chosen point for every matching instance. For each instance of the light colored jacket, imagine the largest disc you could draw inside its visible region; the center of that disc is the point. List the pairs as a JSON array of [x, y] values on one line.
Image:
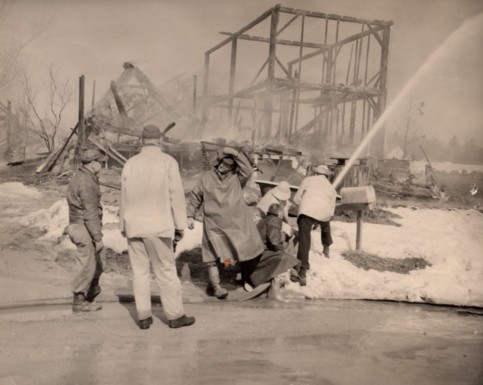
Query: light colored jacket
[[152, 195], [316, 198], [268, 199]]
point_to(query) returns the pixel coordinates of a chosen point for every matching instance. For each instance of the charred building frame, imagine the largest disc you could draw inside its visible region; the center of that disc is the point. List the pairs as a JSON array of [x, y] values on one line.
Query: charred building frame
[[322, 79]]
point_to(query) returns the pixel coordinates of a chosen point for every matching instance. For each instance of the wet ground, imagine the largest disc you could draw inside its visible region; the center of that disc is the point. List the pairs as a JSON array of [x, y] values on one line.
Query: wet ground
[[256, 342], [261, 341]]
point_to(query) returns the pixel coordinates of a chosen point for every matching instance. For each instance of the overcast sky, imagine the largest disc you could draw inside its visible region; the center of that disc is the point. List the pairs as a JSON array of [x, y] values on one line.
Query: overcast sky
[[165, 38]]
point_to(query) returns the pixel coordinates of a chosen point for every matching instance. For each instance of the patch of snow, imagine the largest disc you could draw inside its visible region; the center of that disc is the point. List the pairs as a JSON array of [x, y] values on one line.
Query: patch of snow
[[18, 191], [419, 167], [449, 239]]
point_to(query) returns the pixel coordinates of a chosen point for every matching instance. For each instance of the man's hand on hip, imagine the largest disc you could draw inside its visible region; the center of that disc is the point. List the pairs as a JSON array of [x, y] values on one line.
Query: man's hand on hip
[[178, 235], [191, 223], [99, 246]]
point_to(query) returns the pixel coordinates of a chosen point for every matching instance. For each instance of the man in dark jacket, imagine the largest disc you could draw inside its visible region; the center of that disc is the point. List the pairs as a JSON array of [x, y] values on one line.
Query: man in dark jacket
[[274, 260], [85, 230]]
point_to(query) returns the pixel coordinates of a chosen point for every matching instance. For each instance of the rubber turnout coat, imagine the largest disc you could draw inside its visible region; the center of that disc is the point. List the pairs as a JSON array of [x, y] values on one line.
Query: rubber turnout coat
[[229, 231]]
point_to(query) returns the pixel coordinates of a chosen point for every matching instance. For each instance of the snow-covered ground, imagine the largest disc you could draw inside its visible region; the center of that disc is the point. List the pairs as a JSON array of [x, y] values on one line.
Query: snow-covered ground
[[419, 166], [449, 239]]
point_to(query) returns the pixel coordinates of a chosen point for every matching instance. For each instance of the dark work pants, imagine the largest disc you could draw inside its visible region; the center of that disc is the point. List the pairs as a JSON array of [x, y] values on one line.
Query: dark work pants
[[305, 224]]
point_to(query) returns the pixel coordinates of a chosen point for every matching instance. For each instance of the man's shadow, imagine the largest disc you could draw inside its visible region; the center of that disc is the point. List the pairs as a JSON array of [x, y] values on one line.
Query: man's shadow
[[157, 309]]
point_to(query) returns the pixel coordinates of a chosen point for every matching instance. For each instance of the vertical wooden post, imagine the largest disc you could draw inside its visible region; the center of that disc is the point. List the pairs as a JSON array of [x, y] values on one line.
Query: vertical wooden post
[[328, 80], [93, 94], [359, 229], [292, 104], [231, 86], [299, 75], [9, 129], [268, 105], [204, 104], [381, 137], [195, 80], [81, 134]]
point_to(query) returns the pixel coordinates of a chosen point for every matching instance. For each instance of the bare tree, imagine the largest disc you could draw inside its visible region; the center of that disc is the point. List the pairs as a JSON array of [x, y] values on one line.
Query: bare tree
[[45, 120], [12, 44], [408, 128]]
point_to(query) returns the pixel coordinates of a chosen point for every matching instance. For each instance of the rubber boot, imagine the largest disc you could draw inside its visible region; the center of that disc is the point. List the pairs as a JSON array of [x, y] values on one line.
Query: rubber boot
[[294, 275], [302, 277], [326, 251], [94, 290], [80, 304], [214, 285]]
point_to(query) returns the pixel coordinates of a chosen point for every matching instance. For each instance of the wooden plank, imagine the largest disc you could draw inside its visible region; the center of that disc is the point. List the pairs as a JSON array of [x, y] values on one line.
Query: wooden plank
[[338, 44], [329, 16], [49, 162], [277, 41], [259, 19], [119, 103]]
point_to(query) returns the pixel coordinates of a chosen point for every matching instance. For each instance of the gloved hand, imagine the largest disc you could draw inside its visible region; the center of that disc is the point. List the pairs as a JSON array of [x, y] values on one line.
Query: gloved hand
[[178, 235], [99, 246], [231, 151], [191, 223]]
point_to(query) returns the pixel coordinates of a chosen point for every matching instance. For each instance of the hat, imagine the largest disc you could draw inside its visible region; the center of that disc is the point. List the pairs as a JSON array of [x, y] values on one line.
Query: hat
[[323, 170], [151, 132], [274, 209], [228, 160], [282, 191], [92, 154], [220, 156]]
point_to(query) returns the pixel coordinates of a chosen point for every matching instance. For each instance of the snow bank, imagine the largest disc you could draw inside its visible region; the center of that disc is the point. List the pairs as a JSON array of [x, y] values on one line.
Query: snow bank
[[18, 191], [53, 221], [419, 166], [449, 239]]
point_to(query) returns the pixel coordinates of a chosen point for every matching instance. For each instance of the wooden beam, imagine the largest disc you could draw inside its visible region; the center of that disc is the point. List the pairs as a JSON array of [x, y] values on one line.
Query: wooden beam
[[259, 19], [277, 41], [231, 86], [287, 24], [358, 36], [338, 44], [376, 35], [321, 15], [119, 103], [282, 67]]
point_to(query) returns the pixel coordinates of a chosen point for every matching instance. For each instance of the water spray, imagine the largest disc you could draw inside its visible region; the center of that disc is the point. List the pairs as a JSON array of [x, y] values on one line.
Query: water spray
[[428, 63]]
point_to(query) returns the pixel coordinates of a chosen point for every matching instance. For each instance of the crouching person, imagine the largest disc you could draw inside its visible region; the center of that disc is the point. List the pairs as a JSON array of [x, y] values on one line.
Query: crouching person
[[274, 261], [85, 230], [152, 214]]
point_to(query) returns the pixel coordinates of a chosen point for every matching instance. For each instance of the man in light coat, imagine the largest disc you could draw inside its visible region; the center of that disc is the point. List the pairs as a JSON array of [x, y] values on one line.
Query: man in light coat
[[85, 230], [152, 212], [229, 232], [316, 198]]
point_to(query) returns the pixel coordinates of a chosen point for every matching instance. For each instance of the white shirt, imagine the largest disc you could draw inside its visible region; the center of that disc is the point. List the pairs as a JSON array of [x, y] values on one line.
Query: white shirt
[[152, 195], [316, 198]]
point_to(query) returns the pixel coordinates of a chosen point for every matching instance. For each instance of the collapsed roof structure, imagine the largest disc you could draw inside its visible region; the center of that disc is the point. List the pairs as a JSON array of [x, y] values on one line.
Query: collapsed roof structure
[[320, 84]]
